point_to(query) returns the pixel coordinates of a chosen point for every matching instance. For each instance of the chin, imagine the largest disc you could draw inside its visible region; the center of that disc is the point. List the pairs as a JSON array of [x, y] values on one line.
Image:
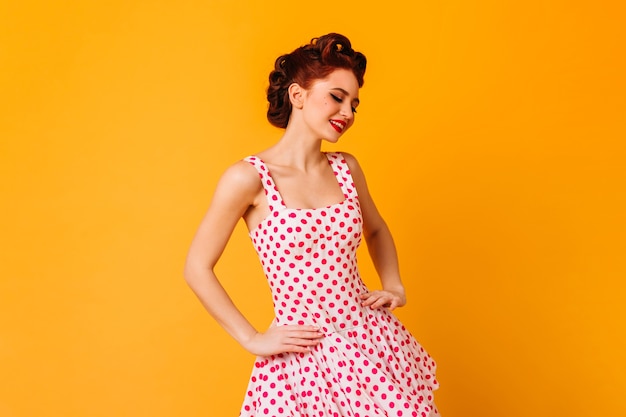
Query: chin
[[334, 137], [331, 139]]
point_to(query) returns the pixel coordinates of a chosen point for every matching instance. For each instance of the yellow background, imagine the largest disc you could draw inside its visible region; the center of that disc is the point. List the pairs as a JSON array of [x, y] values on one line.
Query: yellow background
[[492, 135]]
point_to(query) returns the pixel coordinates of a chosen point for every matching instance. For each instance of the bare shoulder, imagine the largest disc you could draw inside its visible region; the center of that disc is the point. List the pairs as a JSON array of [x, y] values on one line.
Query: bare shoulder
[[241, 176], [239, 186]]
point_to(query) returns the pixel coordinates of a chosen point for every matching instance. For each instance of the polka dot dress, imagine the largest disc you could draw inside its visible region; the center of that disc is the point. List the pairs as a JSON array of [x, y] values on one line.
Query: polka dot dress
[[367, 364]]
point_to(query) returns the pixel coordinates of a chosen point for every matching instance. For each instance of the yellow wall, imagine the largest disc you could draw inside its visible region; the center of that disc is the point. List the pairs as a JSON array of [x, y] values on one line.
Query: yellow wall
[[492, 134]]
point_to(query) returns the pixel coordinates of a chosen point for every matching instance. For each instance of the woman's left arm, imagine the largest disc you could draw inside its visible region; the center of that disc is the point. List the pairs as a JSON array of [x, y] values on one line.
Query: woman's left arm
[[380, 245]]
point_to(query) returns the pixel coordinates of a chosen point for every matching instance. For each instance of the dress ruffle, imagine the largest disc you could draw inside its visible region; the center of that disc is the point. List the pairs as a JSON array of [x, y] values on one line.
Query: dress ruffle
[[377, 369]]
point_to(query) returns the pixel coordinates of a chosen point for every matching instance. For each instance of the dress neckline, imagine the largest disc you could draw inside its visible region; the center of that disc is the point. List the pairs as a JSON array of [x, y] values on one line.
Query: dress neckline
[[279, 195]]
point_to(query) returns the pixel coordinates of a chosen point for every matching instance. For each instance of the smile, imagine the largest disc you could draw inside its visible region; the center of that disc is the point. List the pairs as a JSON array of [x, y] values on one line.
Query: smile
[[338, 125]]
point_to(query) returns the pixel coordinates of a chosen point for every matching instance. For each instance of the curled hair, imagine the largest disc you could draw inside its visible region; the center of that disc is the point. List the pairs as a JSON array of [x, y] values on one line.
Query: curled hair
[[308, 63]]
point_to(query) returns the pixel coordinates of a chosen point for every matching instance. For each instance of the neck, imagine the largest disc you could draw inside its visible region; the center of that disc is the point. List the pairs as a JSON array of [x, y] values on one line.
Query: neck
[[298, 150]]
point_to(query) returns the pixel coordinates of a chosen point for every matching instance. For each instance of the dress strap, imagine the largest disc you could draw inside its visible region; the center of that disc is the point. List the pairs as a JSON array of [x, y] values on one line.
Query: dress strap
[[274, 200], [342, 172]]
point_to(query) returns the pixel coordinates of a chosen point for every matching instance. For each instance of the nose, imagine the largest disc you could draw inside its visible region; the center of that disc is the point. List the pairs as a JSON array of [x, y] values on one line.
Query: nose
[[346, 111]]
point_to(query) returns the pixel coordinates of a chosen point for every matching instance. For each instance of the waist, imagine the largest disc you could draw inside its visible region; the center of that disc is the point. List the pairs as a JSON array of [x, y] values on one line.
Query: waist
[[330, 318]]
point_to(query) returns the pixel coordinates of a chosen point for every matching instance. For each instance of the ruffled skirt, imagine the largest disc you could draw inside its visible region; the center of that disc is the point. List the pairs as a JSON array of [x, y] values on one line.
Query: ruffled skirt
[[376, 369]]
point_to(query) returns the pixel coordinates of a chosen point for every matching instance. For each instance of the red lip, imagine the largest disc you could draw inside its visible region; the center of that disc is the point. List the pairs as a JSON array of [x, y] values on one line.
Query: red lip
[[341, 123]]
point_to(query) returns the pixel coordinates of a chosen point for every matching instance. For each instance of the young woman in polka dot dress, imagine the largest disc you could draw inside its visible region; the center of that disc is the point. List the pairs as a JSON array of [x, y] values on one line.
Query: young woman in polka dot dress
[[334, 348]]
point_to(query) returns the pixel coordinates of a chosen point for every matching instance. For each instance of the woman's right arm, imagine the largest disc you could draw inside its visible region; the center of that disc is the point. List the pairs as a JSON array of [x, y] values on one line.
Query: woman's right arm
[[238, 191]]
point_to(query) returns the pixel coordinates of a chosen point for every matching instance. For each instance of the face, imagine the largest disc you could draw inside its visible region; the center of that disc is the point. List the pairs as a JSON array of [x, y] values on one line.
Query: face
[[329, 105]]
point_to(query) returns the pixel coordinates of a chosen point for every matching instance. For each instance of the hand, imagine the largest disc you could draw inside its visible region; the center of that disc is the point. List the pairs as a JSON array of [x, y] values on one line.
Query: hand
[[281, 339], [383, 298]]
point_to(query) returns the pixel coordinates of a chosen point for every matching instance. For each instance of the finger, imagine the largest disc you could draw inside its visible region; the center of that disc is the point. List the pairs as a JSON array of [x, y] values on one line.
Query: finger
[[369, 300], [300, 332], [371, 303], [302, 342], [381, 302], [310, 327], [296, 349], [306, 335]]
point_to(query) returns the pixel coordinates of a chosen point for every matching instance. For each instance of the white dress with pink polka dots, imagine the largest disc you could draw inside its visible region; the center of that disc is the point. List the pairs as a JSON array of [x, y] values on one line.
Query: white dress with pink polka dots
[[367, 364]]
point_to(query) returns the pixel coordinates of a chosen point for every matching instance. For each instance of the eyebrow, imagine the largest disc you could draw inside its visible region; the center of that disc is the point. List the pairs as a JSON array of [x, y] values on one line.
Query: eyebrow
[[346, 93]]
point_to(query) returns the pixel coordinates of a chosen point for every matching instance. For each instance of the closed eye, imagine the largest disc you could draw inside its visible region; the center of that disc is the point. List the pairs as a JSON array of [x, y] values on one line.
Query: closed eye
[[340, 100]]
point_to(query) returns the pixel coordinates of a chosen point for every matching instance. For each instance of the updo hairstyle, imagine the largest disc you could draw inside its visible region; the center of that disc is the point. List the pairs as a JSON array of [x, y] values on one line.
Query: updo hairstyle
[[306, 64]]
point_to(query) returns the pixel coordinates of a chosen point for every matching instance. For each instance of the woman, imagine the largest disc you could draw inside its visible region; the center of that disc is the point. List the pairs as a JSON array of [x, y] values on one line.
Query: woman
[[334, 348]]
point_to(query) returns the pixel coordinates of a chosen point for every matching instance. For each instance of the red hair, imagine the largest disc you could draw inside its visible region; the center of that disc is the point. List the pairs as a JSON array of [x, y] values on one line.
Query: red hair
[[306, 64]]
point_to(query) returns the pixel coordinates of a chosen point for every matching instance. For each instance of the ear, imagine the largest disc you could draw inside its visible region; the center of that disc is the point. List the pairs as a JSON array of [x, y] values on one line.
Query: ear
[[296, 95]]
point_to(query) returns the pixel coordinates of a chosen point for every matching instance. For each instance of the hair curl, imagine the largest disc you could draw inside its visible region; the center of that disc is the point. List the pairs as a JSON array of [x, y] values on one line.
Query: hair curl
[[306, 64]]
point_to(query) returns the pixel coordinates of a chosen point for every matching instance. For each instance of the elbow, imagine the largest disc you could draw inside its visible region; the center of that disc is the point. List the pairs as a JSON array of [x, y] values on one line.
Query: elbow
[[191, 273], [371, 233], [195, 272], [188, 273]]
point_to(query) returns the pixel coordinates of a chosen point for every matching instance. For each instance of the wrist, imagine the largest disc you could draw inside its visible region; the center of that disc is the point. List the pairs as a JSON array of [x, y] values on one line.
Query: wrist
[[247, 341], [398, 291]]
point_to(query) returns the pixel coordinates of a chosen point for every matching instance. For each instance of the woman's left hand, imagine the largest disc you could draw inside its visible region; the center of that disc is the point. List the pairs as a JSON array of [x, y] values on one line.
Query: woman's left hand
[[383, 298]]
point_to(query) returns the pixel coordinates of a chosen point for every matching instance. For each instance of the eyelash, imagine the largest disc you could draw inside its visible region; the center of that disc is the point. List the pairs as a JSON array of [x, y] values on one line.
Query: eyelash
[[340, 100]]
